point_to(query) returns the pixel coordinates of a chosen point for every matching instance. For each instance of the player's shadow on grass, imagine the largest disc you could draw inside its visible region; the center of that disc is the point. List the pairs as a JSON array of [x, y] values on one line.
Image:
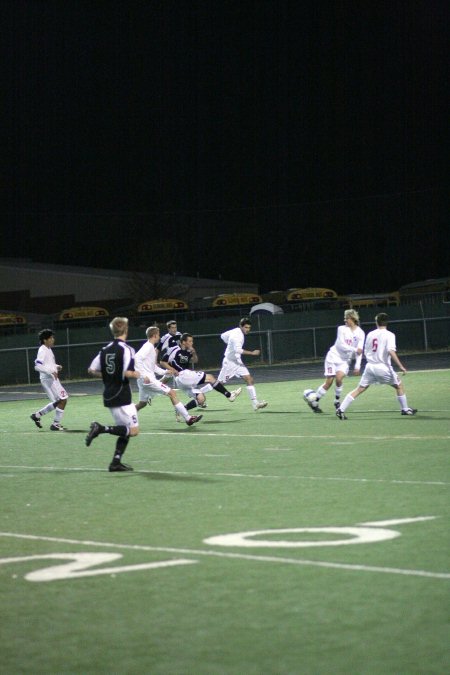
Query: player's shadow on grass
[[283, 412], [153, 475], [75, 431], [232, 421]]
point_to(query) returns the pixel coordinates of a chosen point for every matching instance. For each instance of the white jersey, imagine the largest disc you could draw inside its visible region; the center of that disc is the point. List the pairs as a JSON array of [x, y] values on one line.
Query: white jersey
[[145, 362], [45, 363], [234, 340], [347, 343], [378, 344]]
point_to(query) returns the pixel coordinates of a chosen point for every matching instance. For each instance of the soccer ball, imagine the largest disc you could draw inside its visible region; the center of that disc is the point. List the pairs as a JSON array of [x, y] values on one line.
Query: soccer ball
[[310, 395]]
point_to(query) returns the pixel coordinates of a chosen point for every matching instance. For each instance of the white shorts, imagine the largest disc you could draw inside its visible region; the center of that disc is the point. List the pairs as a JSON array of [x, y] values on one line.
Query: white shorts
[[188, 381], [151, 390], [379, 373], [231, 369], [54, 390], [126, 415], [333, 366]]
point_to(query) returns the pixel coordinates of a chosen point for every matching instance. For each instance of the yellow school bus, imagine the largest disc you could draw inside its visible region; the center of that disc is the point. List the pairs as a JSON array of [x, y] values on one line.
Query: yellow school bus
[[7, 319], [421, 288], [162, 305], [305, 294], [76, 313], [373, 300], [233, 299]]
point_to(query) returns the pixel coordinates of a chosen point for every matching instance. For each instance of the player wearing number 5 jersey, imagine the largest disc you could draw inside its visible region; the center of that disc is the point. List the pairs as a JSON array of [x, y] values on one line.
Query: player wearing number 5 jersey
[[380, 350], [115, 365]]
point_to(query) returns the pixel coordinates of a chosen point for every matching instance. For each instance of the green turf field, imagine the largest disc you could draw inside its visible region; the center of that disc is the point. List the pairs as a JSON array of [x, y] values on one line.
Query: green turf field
[[355, 582]]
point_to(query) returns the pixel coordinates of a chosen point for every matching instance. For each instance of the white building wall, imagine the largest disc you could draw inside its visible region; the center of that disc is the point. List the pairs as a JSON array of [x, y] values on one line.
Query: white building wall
[[90, 284]]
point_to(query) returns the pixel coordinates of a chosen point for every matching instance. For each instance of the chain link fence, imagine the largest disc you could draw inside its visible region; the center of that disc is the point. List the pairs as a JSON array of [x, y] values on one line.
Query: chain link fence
[[277, 346]]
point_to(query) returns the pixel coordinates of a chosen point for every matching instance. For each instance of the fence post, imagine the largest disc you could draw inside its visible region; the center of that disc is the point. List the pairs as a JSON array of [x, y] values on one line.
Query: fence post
[[425, 334], [314, 343], [269, 347], [68, 353], [28, 366]]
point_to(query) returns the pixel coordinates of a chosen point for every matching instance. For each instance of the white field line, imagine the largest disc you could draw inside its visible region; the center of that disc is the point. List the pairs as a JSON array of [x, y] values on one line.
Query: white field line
[[191, 434], [294, 436], [229, 475], [236, 556], [36, 394]]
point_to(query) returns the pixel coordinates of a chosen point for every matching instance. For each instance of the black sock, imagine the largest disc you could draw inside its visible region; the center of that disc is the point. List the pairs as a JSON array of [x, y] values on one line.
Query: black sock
[[118, 430], [121, 445], [191, 404], [218, 386]]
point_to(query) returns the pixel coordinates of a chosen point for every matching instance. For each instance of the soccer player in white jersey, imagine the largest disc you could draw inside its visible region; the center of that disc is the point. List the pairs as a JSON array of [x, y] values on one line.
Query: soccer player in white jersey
[[348, 346], [379, 350], [148, 384], [48, 370], [232, 365]]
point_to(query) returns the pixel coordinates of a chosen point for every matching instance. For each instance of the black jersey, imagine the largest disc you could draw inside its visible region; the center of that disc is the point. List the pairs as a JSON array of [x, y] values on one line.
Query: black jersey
[[115, 359], [166, 343], [180, 359]]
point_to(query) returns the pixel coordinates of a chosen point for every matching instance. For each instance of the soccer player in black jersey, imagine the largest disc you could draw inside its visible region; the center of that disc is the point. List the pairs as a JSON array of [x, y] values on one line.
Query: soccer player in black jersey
[[115, 365], [169, 340], [194, 382]]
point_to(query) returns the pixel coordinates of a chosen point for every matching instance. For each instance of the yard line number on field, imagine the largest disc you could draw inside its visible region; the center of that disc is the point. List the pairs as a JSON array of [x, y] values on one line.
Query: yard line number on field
[[80, 563]]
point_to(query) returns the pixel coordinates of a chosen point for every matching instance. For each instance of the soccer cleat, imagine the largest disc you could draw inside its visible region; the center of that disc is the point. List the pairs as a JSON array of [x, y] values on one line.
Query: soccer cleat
[[94, 431], [56, 426], [36, 420], [314, 408], [409, 411], [202, 405], [235, 394], [120, 467], [340, 414], [193, 419], [260, 404]]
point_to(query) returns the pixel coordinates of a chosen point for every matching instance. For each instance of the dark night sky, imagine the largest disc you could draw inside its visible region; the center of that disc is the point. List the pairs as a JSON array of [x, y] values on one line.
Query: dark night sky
[[286, 143]]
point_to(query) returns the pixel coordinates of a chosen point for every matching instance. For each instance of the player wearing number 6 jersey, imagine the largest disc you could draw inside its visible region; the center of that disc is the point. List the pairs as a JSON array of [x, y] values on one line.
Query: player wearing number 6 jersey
[[380, 351]]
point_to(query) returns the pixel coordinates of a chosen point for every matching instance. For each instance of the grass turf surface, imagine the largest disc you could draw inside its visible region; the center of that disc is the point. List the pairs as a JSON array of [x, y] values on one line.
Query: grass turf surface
[[375, 607]]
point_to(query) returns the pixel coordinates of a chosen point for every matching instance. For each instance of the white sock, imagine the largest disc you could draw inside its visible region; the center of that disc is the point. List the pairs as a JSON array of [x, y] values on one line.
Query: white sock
[[206, 388], [252, 393], [338, 392], [348, 400], [43, 411], [320, 392], [182, 410], [403, 403], [59, 412]]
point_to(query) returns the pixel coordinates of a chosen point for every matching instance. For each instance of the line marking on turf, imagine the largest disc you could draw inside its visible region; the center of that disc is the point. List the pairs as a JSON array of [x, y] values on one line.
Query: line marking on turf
[[202, 433], [237, 556], [396, 481], [207, 434]]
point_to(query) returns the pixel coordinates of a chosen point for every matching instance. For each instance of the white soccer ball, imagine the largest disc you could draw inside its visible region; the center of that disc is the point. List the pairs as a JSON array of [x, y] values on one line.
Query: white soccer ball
[[310, 395]]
